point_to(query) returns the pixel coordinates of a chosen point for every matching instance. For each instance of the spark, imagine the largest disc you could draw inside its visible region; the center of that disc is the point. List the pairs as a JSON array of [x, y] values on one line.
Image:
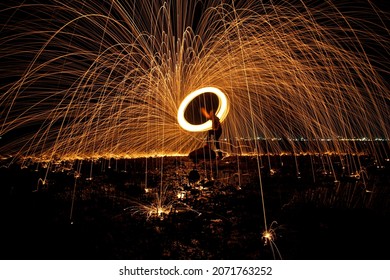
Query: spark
[[158, 210], [267, 237], [86, 80]]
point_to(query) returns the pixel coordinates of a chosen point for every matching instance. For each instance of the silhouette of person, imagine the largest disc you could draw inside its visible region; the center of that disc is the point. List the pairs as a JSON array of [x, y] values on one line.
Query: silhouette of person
[[216, 129]]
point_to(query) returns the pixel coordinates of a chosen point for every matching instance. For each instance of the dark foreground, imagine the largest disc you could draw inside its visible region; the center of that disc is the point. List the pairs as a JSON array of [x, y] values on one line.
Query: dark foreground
[[317, 207]]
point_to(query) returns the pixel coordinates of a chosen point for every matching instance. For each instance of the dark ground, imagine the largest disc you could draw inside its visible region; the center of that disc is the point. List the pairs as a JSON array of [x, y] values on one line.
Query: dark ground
[[216, 218]]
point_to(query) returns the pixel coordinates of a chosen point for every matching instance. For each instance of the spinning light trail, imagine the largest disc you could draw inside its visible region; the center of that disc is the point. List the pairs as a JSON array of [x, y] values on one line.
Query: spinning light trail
[[221, 112]]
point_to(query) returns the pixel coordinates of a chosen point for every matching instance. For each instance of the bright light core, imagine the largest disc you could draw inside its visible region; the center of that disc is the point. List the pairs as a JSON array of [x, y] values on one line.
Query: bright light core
[[221, 113]]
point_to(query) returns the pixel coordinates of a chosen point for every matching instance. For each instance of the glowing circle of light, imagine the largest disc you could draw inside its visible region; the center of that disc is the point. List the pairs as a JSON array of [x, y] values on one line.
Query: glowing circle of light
[[221, 113]]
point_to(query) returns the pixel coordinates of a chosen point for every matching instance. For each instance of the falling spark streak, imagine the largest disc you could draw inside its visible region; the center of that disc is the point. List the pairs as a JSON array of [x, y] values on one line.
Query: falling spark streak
[[87, 80]]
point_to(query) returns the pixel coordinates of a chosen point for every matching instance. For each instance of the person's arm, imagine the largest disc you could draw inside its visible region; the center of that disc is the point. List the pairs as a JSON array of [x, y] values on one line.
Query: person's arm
[[204, 112]]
